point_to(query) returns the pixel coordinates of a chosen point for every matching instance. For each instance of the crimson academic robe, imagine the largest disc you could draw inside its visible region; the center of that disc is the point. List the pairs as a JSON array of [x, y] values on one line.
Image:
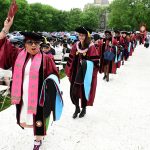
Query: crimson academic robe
[[98, 47], [125, 43], [73, 65], [117, 42], [8, 56], [133, 41], [112, 66]]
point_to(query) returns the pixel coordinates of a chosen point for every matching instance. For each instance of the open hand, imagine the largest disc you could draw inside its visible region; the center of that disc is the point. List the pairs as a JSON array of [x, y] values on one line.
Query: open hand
[[8, 23]]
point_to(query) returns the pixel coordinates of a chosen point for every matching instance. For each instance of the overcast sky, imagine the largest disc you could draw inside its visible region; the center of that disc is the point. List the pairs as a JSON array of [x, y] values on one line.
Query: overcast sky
[[64, 4]]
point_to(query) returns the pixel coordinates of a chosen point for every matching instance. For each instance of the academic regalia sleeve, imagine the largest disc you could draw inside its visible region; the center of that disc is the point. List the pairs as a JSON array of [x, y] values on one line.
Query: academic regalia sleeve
[[51, 56], [2, 41], [8, 54], [49, 66], [121, 41], [101, 42], [114, 42], [100, 47], [93, 55], [69, 65]]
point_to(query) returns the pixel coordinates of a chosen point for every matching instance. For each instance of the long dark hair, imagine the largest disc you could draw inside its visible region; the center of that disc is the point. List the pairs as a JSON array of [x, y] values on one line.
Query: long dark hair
[[86, 43]]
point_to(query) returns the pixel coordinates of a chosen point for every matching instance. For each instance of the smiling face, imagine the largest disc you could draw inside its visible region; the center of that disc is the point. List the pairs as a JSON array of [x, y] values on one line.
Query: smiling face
[[82, 37], [32, 46], [124, 34]]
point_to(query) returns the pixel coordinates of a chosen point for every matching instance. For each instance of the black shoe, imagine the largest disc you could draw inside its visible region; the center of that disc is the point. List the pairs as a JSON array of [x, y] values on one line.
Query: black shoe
[[104, 77], [107, 79], [83, 112], [77, 110]]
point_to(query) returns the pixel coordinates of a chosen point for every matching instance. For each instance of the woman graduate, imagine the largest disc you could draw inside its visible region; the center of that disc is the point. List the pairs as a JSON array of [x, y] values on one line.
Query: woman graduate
[[30, 69], [82, 68], [125, 42], [107, 64]]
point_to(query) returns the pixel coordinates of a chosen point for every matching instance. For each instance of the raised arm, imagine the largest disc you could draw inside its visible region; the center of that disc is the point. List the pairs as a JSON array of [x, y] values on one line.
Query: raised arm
[[8, 53], [7, 25]]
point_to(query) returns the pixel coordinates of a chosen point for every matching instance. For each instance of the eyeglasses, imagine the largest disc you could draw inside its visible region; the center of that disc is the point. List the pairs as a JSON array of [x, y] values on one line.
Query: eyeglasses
[[30, 42]]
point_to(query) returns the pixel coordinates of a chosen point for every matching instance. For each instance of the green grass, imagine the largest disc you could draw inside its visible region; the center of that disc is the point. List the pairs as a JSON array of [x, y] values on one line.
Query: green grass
[[6, 104], [62, 73]]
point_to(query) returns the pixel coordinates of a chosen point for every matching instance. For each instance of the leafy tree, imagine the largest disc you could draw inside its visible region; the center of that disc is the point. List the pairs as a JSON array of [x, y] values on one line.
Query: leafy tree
[[40, 17], [123, 14], [74, 18], [129, 14], [60, 21], [4, 7], [21, 18], [91, 16], [21, 21]]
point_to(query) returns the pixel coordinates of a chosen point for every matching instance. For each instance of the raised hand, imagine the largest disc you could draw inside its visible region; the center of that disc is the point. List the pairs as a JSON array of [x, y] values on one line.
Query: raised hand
[[8, 23]]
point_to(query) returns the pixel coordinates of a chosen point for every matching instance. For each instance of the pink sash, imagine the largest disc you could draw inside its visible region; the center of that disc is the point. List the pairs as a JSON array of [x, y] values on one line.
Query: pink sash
[[16, 93]]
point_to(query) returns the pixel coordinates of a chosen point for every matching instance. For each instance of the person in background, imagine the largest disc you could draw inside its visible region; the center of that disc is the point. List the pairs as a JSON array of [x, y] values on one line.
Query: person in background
[[124, 43], [47, 47], [97, 42], [107, 66]]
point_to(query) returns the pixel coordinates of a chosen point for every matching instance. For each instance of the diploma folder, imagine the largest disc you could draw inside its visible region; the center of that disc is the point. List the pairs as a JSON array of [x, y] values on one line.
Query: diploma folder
[[12, 9]]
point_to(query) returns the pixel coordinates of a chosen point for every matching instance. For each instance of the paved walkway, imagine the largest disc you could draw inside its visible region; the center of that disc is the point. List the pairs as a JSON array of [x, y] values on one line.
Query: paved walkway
[[119, 120]]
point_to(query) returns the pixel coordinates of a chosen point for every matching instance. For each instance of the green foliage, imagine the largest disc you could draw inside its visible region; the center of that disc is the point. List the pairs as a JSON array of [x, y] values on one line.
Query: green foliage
[[39, 17], [129, 14], [4, 6], [21, 21], [62, 73], [123, 14], [74, 18], [91, 17], [60, 21], [7, 102]]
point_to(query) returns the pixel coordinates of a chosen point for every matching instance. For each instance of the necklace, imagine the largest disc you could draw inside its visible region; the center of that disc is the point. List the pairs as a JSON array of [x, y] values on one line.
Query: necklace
[[84, 51]]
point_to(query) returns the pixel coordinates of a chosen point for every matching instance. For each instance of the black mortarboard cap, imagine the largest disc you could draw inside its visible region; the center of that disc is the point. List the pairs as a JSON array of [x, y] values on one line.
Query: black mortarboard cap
[[31, 35], [83, 30], [107, 31], [96, 37], [117, 31]]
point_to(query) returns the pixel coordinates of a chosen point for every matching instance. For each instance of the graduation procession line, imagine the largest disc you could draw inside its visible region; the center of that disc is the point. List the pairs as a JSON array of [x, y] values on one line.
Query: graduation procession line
[[119, 120]]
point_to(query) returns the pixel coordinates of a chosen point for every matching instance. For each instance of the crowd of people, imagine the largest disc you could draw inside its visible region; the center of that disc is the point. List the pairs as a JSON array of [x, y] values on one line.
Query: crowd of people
[[33, 65]]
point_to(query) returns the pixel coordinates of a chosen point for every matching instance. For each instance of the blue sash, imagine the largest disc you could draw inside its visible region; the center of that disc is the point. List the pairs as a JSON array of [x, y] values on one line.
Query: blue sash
[[119, 57], [88, 78], [116, 54], [129, 47]]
